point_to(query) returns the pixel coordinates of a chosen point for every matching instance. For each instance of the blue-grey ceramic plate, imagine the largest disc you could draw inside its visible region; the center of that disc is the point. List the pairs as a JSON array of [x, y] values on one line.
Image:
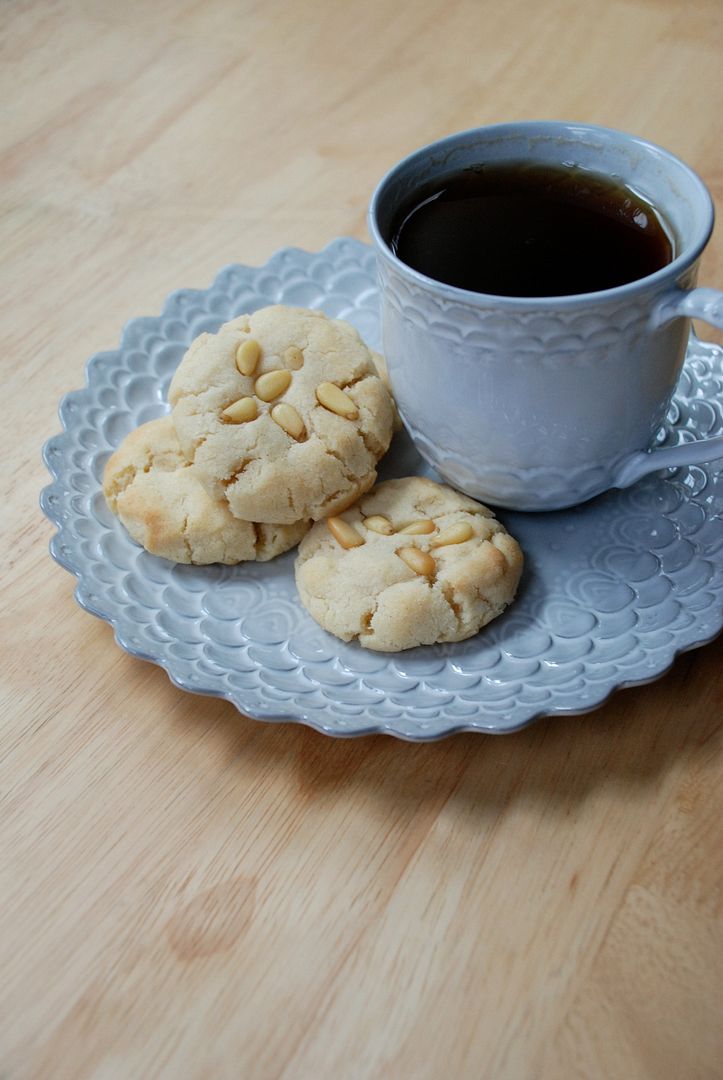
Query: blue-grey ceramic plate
[[612, 590]]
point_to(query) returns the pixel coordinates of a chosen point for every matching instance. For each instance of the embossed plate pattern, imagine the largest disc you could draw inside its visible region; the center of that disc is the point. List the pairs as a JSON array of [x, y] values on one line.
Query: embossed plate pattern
[[612, 590]]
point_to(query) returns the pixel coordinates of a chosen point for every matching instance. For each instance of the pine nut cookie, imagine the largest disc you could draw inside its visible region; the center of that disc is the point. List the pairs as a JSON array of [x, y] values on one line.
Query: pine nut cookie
[[283, 414], [412, 563], [154, 491]]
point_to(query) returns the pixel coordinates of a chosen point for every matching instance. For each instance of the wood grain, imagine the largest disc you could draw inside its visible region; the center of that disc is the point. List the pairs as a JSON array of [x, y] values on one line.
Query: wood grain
[[187, 893]]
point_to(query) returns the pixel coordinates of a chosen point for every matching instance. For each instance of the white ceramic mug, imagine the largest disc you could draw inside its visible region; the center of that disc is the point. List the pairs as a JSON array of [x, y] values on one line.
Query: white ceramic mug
[[541, 403]]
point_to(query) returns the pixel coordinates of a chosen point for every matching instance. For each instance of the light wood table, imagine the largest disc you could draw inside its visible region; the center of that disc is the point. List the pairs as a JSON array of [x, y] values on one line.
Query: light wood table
[[186, 892]]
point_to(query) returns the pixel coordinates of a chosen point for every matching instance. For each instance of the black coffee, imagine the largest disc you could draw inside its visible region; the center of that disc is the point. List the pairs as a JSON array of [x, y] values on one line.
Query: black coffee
[[518, 229]]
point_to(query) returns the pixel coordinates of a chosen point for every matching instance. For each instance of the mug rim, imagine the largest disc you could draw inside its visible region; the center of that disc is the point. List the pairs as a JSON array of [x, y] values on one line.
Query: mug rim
[[671, 270]]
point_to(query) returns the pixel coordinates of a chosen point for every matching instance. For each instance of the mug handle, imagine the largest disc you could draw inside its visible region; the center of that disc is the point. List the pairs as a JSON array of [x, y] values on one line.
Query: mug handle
[[705, 304]]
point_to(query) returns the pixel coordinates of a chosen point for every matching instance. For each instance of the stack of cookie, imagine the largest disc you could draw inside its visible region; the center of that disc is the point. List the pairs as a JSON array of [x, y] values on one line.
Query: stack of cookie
[[279, 420]]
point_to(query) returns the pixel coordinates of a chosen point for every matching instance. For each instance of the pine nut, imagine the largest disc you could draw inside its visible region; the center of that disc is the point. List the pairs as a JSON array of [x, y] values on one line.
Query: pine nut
[[379, 524], [272, 384], [247, 356], [455, 534], [419, 528], [344, 533], [288, 419], [421, 562], [336, 400], [242, 410], [294, 358]]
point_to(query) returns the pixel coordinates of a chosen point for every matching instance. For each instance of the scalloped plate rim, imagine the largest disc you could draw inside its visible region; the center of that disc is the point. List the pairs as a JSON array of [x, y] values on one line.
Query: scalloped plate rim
[[375, 727]]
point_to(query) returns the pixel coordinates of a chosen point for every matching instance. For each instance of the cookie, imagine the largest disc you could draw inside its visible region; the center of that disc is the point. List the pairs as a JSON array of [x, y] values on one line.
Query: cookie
[[283, 413], [154, 491], [411, 563]]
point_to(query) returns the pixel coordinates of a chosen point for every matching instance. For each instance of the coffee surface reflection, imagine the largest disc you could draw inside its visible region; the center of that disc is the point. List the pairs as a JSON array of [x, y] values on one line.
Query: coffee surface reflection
[[524, 229]]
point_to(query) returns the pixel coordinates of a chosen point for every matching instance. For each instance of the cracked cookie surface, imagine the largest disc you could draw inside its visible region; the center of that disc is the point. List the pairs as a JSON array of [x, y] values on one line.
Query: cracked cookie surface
[[254, 412], [411, 563], [156, 494]]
